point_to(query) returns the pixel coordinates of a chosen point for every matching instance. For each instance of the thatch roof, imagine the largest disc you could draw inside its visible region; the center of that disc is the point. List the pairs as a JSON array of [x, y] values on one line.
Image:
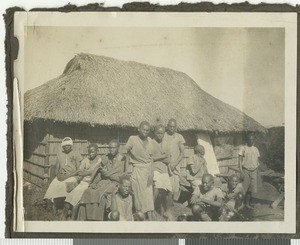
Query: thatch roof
[[104, 91]]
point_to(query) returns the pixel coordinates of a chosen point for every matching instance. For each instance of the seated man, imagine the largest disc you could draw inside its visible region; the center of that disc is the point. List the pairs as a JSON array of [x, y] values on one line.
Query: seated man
[[234, 198], [206, 205], [122, 203], [104, 180]]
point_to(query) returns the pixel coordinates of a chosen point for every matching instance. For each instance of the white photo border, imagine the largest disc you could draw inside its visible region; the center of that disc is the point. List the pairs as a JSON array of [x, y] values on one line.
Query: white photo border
[[288, 21]]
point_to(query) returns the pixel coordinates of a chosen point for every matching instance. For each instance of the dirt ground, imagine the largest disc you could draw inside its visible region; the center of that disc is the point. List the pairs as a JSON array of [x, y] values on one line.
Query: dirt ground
[[36, 208]]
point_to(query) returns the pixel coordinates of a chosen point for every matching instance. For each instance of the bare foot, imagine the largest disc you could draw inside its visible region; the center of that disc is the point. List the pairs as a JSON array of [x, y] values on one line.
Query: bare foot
[[250, 206], [169, 216]]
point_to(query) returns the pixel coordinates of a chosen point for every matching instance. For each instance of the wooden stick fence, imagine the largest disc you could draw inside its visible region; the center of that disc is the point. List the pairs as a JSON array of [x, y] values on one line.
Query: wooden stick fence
[[37, 165]]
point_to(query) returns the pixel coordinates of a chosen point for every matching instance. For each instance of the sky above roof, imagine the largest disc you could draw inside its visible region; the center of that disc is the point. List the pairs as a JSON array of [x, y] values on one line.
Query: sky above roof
[[243, 67]]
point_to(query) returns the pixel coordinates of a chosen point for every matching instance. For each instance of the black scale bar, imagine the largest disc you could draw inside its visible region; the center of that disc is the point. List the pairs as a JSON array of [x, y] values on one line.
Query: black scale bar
[[149, 242], [237, 242], [182, 242]]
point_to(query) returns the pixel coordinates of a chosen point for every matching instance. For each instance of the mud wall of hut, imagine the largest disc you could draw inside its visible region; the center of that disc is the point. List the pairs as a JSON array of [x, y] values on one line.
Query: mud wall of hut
[[226, 148], [42, 141]]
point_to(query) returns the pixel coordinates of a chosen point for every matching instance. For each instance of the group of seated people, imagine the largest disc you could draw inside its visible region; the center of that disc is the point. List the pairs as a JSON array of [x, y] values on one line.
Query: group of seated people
[[139, 185]]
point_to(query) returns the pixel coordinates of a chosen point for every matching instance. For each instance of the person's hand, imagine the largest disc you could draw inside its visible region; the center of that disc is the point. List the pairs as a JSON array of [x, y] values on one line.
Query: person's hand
[[167, 159], [78, 178], [194, 199], [93, 186], [104, 162], [231, 195], [172, 167], [104, 173], [150, 179], [242, 176], [165, 155], [80, 173], [115, 190]]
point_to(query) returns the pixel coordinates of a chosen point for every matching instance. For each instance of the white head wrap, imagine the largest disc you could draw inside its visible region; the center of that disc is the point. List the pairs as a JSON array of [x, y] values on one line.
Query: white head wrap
[[67, 141]]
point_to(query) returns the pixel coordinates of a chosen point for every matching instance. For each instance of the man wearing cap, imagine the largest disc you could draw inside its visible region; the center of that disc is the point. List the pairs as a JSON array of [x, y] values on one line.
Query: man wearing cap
[[64, 171]]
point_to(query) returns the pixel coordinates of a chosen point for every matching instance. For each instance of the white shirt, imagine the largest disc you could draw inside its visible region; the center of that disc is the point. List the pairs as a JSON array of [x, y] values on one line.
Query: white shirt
[[250, 156]]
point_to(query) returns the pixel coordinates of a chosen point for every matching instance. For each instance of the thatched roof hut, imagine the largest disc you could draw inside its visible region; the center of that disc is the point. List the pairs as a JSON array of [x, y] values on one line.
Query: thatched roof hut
[[99, 90], [99, 98]]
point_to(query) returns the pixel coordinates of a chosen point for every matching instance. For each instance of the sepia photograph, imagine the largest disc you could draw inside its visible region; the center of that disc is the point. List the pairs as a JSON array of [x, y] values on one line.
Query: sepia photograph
[[156, 122]]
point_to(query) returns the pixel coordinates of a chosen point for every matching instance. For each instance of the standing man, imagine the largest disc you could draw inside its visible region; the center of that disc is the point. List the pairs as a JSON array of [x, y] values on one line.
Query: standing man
[[248, 165], [161, 179], [140, 150], [175, 145]]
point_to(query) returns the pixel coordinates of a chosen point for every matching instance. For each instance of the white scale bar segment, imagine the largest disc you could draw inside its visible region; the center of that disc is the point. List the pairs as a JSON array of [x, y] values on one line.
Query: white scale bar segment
[[181, 242], [36, 242]]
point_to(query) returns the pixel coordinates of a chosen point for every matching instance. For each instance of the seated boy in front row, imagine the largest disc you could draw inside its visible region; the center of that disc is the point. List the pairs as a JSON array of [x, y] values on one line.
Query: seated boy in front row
[[206, 204], [122, 203], [234, 198]]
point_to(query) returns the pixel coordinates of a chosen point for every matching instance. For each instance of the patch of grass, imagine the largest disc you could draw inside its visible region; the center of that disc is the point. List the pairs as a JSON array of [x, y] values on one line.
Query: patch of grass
[[35, 207]]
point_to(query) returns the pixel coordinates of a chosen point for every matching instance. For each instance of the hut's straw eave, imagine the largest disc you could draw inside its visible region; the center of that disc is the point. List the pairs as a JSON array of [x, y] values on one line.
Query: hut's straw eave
[[104, 91]]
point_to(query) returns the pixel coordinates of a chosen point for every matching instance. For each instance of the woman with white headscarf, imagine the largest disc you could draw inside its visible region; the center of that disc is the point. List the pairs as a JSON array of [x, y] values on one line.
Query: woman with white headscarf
[[63, 173]]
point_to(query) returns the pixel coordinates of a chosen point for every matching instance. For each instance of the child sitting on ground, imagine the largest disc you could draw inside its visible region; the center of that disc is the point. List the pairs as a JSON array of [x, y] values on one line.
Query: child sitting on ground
[[196, 168], [206, 204], [122, 202], [234, 198]]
